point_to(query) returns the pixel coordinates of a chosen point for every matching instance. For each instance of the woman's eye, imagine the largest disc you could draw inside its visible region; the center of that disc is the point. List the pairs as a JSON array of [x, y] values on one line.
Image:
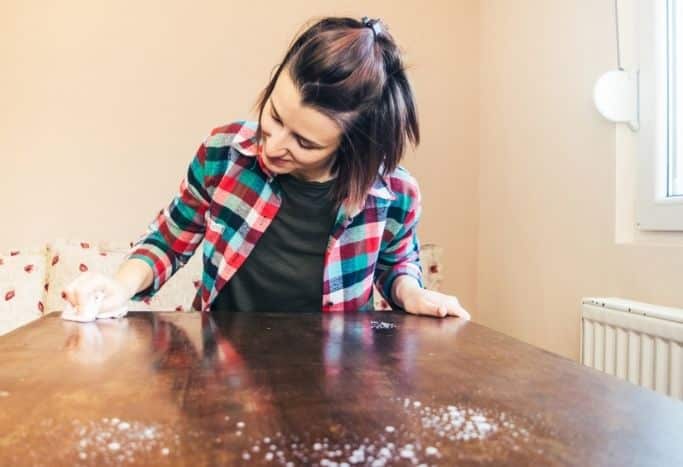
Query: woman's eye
[[304, 145], [275, 118]]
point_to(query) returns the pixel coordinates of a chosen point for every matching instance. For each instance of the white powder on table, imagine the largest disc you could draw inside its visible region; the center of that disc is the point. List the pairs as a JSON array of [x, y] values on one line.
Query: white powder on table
[[112, 439], [419, 433], [382, 325], [423, 435]]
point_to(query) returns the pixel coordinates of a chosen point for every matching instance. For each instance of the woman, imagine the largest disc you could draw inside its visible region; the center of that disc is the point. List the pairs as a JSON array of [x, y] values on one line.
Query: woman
[[305, 209]]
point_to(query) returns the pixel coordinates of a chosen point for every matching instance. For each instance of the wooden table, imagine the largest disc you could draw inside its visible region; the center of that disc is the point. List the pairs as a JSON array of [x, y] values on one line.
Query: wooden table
[[273, 389]]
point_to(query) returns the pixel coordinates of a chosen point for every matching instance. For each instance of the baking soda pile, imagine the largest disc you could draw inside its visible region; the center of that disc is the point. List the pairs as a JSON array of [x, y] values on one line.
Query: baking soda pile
[[382, 325], [122, 441], [421, 436], [454, 423], [420, 442], [325, 452]]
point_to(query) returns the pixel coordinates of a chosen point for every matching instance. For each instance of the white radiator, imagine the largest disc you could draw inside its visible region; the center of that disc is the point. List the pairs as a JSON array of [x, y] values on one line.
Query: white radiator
[[638, 342]]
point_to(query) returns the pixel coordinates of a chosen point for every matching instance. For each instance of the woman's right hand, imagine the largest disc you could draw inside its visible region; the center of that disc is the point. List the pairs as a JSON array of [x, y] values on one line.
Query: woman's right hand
[[82, 290]]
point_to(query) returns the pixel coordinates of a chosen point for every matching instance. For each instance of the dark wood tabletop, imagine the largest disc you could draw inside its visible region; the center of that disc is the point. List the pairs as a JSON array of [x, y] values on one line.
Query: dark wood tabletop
[[309, 389]]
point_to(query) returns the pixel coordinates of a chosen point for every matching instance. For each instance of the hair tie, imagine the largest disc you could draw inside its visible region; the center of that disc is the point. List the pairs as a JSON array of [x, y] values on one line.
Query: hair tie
[[372, 24]]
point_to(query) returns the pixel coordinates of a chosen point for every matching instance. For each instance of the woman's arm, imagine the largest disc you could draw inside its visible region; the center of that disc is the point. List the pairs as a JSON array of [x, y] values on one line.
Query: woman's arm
[[399, 253], [398, 264], [168, 244], [134, 275], [409, 295], [174, 235]]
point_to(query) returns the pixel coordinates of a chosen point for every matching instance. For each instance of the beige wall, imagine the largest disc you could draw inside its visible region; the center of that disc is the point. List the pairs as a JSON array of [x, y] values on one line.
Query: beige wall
[[528, 189], [104, 104], [556, 186]]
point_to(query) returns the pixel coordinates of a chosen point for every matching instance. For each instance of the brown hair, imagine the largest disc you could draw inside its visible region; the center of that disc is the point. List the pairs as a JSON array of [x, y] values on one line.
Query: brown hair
[[352, 72]]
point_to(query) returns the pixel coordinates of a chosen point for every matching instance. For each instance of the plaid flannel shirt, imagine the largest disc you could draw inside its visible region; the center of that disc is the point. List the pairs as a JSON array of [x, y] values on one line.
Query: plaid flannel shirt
[[229, 198]]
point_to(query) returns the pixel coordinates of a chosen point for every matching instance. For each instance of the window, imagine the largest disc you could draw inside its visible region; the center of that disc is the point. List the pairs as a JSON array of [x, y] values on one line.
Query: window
[[675, 80], [660, 175]]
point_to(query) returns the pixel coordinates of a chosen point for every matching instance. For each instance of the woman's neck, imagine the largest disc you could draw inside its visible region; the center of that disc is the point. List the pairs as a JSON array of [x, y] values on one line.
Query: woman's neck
[[322, 174]]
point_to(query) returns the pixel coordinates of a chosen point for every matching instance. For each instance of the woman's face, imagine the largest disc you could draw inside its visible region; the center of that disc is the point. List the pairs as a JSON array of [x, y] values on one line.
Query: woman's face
[[297, 139]]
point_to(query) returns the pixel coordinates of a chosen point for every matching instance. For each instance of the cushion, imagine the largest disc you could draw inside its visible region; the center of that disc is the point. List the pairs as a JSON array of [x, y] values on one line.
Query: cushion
[[31, 282], [66, 259], [22, 288], [432, 265]]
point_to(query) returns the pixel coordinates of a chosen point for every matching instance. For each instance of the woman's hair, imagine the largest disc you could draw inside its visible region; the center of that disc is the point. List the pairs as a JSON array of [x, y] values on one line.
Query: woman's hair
[[352, 72]]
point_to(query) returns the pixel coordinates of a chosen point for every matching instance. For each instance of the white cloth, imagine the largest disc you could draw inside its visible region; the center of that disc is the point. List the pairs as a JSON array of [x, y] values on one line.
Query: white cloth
[[91, 310]]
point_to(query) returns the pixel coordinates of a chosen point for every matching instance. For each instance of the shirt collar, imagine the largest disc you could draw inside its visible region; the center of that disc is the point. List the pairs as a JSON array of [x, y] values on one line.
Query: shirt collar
[[259, 159], [380, 189], [246, 143], [245, 139], [249, 146]]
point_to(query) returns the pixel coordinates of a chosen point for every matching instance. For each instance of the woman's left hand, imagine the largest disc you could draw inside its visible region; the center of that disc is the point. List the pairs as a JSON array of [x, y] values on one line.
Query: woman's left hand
[[419, 301]]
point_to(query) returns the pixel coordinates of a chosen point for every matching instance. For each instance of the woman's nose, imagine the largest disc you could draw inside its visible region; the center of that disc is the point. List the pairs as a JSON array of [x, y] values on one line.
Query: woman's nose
[[276, 144]]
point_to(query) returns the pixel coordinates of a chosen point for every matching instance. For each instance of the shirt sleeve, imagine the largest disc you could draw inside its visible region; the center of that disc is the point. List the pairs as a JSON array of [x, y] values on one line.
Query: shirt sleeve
[[173, 236], [400, 250]]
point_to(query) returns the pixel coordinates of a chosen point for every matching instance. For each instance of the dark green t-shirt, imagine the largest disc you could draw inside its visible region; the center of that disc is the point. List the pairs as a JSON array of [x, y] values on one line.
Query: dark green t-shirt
[[284, 271]]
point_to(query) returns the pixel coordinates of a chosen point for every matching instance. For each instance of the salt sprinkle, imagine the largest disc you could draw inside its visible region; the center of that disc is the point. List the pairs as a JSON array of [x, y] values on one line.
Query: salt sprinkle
[[119, 442], [407, 453], [418, 438], [384, 452], [382, 325]]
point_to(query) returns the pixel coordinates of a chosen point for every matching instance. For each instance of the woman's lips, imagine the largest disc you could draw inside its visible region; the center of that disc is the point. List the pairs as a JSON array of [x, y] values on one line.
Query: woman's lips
[[277, 161]]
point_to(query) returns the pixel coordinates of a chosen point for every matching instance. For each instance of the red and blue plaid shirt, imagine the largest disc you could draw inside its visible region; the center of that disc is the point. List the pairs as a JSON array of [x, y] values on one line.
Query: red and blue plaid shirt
[[228, 199]]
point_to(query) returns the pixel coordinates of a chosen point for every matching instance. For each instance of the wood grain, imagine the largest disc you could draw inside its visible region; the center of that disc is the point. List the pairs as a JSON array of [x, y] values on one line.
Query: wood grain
[[312, 389]]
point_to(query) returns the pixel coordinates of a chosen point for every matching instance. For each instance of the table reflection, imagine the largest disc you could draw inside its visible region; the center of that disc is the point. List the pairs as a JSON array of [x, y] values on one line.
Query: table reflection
[[236, 378]]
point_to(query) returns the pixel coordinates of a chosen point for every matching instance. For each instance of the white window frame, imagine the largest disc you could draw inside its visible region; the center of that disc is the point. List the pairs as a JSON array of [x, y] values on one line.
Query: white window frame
[[655, 210]]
